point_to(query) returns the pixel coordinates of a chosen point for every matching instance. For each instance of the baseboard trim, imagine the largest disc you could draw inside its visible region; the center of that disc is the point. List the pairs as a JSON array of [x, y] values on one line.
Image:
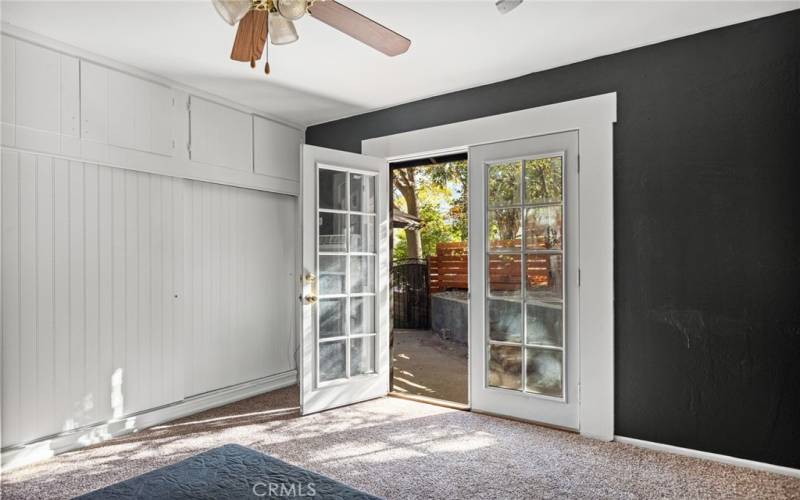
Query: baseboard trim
[[46, 447], [725, 459]]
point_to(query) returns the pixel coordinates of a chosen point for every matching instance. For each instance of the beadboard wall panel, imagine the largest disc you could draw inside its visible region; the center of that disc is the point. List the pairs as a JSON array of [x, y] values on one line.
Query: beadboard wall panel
[[101, 269], [90, 318], [239, 262]]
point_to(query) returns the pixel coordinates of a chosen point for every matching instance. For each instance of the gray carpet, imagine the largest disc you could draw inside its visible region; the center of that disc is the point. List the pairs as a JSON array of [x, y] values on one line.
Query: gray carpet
[[401, 449]]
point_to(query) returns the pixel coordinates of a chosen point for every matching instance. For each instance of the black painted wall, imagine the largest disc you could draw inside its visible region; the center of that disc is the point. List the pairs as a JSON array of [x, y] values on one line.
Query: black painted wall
[[707, 226]]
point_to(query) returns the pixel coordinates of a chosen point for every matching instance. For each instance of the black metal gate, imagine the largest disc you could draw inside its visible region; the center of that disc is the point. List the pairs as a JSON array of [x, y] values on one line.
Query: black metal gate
[[410, 294]]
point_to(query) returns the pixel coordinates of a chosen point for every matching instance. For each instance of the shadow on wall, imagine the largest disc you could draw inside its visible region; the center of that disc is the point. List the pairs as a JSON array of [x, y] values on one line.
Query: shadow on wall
[[93, 434]]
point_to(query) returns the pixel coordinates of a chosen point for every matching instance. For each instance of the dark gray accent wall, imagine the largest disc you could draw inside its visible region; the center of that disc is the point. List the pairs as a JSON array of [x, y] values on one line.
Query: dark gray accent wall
[[707, 226]]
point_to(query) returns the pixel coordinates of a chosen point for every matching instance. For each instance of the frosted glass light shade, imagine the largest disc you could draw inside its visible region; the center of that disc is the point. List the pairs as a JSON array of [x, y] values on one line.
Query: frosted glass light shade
[[232, 11], [292, 9], [281, 30]]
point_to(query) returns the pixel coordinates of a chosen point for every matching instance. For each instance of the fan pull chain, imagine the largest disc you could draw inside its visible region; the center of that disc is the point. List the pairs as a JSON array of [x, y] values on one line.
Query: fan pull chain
[[266, 49]]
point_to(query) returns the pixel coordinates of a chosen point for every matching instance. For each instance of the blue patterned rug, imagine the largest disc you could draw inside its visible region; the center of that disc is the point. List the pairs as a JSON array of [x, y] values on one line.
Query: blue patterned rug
[[229, 472]]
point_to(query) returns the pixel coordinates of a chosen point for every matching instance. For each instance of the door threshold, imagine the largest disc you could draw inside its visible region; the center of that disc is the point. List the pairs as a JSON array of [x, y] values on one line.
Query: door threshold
[[527, 421], [431, 401]]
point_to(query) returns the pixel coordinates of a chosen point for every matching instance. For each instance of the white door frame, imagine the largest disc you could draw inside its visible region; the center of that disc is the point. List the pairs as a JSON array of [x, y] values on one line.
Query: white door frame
[[593, 117]]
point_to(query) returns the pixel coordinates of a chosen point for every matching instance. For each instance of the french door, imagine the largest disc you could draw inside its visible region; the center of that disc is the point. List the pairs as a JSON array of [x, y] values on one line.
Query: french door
[[344, 280], [524, 279]]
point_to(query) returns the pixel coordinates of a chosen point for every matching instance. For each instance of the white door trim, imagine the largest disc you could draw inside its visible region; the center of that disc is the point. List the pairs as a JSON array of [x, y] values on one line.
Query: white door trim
[[593, 117]]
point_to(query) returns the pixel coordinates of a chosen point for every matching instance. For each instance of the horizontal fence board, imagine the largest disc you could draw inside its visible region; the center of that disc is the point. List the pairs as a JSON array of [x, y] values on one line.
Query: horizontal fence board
[[448, 269]]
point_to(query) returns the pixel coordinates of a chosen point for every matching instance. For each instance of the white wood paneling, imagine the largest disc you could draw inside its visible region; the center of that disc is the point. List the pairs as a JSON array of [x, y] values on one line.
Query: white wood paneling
[[139, 114], [45, 285], [98, 259], [102, 267], [94, 103], [40, 98], [37, 90], [239, 261], [220, 136], [118, 116], [70, 106], [276, 149], [128, 116], [103, 431], [70, 96], [11, 396], [7, 89], [162, 103], [70, 282]]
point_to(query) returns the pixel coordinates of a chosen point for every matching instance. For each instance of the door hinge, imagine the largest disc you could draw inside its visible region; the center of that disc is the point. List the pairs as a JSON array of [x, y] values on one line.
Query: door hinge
[[579, 276], [189, 148], [188, 104], [579, 163]]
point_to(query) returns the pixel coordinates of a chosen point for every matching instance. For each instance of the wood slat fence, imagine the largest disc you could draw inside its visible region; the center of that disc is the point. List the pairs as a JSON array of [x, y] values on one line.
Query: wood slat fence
[[448, 269]]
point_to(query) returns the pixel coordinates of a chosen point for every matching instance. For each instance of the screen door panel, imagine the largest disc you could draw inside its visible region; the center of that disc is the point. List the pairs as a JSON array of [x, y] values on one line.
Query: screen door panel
[[524, 228], [345, 284]]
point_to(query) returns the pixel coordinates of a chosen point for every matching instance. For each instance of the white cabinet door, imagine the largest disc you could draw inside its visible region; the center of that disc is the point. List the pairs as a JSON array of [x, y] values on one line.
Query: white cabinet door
[[139, 114], [40, 98], [276, 149], [70, 106], [162, 103], [94, 103], [345, 249], [37, 90], [125, 115], [219, 135], [7, 98]]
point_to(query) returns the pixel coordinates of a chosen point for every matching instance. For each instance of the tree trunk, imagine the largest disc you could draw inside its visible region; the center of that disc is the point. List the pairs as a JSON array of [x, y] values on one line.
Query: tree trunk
[[404, 180], [413, 237]]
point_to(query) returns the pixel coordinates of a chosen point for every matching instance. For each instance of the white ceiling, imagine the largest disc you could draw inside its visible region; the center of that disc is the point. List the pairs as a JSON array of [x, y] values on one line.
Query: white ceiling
[[327, 75]]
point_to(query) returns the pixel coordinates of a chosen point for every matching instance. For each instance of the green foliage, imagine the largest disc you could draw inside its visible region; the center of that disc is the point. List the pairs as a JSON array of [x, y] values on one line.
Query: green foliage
[[543, 180], [441, 199], [399, 245], [543, 184]]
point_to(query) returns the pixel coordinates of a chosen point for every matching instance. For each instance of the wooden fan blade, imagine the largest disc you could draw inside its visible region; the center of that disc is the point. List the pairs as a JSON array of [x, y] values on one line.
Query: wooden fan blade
[[359, 27], [250, 37]]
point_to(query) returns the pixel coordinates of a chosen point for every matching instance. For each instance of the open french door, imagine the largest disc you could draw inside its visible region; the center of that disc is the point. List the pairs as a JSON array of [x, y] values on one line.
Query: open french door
[[524, 330], [345, 279]]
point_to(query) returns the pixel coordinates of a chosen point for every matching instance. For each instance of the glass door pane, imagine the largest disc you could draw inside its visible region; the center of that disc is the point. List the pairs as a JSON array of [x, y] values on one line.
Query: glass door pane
[[346, 264], [525, 293]]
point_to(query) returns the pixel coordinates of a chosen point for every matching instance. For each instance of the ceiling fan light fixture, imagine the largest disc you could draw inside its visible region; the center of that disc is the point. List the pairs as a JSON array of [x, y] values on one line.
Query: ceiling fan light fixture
[[281, 30], [232, 11], [291, 9]]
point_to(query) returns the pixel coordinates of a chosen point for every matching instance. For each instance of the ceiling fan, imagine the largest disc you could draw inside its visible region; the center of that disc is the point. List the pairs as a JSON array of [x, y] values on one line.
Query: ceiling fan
[[260, 19]]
